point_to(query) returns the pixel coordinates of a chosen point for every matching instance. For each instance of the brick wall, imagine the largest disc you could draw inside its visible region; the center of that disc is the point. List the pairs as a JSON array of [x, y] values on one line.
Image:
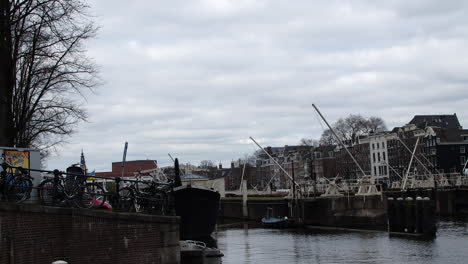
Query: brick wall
[[38, 234]]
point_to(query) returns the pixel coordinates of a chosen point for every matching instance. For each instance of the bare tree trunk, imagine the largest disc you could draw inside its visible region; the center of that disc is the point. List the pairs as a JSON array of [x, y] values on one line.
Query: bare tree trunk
[[6, 75]]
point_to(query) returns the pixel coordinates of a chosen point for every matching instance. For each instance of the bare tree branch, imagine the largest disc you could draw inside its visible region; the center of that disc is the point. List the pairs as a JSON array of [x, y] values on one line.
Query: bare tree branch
[[52, 73]]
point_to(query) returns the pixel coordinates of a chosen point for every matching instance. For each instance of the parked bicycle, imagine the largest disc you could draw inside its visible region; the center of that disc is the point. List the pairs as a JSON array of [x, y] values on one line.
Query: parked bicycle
[[15, 183], [71, 189], [145, 197]]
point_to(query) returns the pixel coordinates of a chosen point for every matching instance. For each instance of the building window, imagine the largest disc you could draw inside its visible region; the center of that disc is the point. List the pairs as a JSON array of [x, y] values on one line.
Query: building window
[[373, 157], [462, 149], [373, 146], [378, 145], [375, 170], [383, 155], [378, 156], [383, 145], [433, 151], [462, 160]]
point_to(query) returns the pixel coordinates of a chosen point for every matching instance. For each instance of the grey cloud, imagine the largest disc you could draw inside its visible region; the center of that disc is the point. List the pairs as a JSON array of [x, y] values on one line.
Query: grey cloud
[[197, 78]]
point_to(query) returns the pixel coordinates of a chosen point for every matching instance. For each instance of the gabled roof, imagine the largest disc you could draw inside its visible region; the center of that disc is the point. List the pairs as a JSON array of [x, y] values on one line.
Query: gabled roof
[[442, 121]]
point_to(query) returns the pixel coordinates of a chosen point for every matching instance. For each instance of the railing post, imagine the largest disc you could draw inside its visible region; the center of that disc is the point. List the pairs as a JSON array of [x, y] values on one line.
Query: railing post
[[3, 177], [117, 195]]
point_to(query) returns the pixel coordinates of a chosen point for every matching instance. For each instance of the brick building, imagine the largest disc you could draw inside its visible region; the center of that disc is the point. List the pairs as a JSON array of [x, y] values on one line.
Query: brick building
[[346, 167], [297, 158], [131, 167], [233, 176], [324, 162]]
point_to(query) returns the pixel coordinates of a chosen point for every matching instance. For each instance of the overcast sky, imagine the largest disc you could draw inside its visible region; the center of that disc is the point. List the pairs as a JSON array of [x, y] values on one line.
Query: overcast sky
[[197, 78]]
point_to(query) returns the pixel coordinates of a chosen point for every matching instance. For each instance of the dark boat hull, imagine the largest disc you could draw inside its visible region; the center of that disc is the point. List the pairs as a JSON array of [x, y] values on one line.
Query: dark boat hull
[[198, 209]]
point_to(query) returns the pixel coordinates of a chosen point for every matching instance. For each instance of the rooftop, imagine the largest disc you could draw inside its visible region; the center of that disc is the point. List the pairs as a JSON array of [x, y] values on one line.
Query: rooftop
[[442, 121]]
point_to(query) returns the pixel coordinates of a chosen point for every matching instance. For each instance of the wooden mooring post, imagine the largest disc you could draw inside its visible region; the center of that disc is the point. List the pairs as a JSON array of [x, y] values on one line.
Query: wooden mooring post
[[409, 216]]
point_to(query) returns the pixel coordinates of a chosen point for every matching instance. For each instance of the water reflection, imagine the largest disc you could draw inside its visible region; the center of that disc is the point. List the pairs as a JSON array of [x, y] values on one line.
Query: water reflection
[[258, 245]]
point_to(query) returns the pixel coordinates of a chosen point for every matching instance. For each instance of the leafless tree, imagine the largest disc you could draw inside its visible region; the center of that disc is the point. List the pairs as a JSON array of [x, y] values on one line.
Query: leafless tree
[[51, 73], [376, 124], [251, 159], [309, 142], [207, 164], [349, 129], [6, 75], [327, 138]]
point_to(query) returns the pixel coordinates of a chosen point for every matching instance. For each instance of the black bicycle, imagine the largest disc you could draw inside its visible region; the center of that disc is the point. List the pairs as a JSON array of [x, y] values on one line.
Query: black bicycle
[[71, 189], [145, 197], [15, 183]]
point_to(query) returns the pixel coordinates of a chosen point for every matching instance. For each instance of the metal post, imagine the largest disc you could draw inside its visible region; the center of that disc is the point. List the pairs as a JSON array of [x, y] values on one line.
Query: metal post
[[293, 190], [171, 157], [404, 145], [409, 165], [242, 178], [245, 211], [117, 194], [124, 157]]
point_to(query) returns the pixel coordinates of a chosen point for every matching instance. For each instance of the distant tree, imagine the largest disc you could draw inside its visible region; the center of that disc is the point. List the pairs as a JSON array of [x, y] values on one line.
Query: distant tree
[[50, 70], [327, 138], [349, 129], [376, 124], [309, 142], [251, 159], [207, 164]]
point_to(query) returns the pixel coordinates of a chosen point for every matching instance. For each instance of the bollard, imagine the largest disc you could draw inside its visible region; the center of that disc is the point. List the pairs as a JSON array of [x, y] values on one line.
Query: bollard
[[400, 215], [391, 214], [419, 215], [409, 215], [429, 217]]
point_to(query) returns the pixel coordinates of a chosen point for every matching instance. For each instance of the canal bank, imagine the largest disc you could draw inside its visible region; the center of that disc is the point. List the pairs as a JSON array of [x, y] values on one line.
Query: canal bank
[[31, 233], [365, 212]]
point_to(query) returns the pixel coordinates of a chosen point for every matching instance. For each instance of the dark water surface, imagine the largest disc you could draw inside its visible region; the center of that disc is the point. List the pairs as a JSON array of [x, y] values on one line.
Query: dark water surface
[[258, 245]]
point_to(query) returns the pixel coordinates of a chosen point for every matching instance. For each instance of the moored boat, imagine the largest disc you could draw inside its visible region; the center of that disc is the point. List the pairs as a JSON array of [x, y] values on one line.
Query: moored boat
[[198, 208], [275, 222]]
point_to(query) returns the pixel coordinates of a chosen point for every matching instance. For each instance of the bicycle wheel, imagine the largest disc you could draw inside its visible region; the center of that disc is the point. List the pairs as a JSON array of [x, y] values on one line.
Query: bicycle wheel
[[158, 204], [126, 201], [90, 195], [163, 205], [18, 189], [50, 195]]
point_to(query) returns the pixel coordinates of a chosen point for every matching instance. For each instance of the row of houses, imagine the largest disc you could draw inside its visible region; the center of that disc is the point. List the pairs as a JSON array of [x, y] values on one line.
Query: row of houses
[[439, 144], [427, 144]]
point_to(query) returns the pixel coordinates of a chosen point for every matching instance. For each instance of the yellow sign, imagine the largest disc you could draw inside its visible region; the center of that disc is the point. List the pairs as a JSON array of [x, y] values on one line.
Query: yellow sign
[[17, 158]]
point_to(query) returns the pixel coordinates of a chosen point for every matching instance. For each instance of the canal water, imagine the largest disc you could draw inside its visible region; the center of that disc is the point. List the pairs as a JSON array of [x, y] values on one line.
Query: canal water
[[259, 245]]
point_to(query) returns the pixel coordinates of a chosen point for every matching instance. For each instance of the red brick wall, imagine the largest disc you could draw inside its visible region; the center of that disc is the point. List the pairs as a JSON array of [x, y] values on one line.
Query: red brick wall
[[130, 168], [37, 234]]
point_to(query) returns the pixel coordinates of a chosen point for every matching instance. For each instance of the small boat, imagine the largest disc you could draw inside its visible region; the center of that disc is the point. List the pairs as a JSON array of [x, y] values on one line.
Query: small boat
[[275, 222], [198, 252]]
